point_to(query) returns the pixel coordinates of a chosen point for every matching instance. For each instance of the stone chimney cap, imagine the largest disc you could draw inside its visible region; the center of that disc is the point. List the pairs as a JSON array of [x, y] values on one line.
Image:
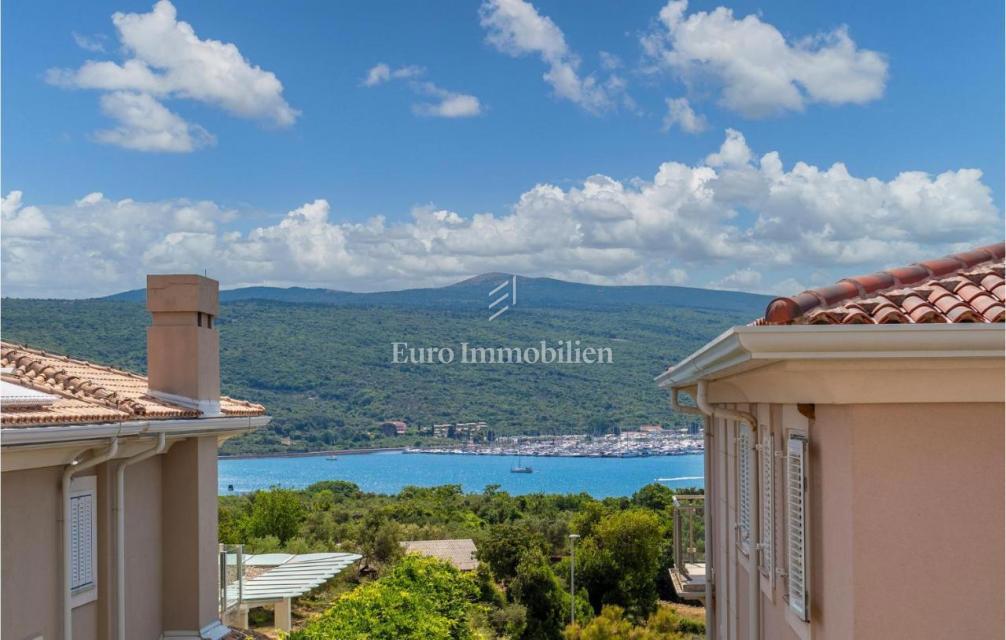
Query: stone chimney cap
[[173, 293]]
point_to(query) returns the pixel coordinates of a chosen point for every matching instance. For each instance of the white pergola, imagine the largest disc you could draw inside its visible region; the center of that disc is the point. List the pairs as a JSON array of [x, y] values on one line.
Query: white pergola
[[286, 576]]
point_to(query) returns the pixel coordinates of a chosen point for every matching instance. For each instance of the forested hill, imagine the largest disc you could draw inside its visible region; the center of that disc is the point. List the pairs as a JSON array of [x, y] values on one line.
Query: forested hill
[[535, 293], [325, 371]]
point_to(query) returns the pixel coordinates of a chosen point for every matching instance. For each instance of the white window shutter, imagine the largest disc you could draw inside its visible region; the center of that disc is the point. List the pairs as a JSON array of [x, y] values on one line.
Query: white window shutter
[[744, 486], [767, 503], [82, 540], [796, 517]]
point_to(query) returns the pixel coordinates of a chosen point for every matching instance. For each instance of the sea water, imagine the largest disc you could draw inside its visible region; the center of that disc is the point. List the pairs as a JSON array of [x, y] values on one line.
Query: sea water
[[388, 472]]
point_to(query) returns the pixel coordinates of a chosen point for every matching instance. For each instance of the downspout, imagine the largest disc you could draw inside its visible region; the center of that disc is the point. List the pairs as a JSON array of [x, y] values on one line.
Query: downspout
[[68, 473], [707, 430], [120, 531], [754, 588]]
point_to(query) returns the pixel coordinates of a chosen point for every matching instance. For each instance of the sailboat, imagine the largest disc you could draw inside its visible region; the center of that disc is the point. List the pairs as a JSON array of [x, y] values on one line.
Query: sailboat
[[520, 468]]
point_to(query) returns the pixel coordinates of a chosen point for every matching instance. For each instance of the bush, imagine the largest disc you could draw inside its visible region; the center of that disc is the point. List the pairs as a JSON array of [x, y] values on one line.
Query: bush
[[419, 599]]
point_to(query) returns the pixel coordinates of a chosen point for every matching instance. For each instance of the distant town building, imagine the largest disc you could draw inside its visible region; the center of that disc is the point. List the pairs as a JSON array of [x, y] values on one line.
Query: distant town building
[[394, 428], [460, 552], [460, 430]]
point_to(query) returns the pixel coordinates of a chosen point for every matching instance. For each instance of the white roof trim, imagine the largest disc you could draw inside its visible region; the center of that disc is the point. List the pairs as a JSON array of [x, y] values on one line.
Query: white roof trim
[[748, 347]]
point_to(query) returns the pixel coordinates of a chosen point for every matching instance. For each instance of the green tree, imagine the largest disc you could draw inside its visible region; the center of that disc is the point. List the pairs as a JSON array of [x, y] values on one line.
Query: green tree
[[503, 546], [622, 561], [537, 588], [277, 512]]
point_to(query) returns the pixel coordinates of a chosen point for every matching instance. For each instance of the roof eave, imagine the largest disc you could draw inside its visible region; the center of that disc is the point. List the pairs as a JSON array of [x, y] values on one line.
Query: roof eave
[[743, 348], [12, 436]]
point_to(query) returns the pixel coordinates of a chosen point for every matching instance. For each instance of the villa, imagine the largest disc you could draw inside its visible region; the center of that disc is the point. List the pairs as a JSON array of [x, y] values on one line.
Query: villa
[[109, 500], [854, 459]]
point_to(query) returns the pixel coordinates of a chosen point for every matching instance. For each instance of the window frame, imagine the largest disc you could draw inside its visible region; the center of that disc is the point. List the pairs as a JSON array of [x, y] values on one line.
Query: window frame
[[85, 486]]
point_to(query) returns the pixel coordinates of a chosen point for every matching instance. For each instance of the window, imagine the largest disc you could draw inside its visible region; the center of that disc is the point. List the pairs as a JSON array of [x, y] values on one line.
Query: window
[[765, 460], [83, 537], [744, 469], [796, 527]]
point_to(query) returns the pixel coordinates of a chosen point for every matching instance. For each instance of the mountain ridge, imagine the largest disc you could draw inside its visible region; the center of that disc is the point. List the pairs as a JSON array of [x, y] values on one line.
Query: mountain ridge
[[534, 292]]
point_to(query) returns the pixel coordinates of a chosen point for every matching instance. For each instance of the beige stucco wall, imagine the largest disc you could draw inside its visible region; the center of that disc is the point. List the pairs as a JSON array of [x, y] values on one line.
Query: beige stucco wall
[[189, 534], [171, 560], [927, 532], [143, 546], [29, 506], [905, 523]]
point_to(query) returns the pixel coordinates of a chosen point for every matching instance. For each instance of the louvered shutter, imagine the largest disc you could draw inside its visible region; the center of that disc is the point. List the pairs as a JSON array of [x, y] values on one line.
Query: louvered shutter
[[796, 518], [81, 540], [767, 503], [744, 486]]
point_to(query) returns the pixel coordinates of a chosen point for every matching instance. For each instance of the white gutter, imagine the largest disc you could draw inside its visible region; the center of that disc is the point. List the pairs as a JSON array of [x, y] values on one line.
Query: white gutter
[[120, 530], [19, 436], [707, 430], [753, 590], [750, 347], [68, 473]]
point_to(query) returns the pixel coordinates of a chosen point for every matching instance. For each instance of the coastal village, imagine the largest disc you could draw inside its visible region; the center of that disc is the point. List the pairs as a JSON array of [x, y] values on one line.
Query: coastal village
[[625, 444]]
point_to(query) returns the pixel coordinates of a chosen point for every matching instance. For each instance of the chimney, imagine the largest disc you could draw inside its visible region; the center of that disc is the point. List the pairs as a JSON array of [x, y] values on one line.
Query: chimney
[[183, 346]]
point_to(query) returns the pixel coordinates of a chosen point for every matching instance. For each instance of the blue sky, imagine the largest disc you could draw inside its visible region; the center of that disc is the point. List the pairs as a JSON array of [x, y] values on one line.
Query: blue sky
[[330, 182]]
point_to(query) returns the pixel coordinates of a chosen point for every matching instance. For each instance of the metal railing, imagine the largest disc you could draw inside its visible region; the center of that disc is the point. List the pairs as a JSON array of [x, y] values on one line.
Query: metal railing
[[231, 584], [689, 531]]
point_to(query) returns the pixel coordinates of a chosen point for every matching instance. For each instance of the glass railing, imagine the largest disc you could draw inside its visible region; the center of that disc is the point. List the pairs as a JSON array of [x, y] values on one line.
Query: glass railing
[[689, 532], [231, 582]]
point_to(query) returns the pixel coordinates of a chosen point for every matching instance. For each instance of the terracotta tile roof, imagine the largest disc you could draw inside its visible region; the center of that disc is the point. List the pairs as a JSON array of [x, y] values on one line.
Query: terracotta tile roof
[[460, 552], [964, 287], [89, 393]]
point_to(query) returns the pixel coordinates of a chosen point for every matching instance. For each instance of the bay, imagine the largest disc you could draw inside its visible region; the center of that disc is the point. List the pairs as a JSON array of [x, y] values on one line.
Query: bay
[[388, 472]]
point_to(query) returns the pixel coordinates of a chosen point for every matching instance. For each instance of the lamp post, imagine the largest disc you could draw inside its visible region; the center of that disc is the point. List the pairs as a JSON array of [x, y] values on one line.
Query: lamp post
[[572, 571]]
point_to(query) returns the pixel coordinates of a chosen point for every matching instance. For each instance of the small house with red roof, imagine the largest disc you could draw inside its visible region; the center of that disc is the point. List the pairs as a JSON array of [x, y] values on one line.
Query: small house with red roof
[[854, 477]]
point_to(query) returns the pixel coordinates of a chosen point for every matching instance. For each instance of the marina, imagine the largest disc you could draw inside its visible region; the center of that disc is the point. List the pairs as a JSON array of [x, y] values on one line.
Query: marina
[[629, 444]]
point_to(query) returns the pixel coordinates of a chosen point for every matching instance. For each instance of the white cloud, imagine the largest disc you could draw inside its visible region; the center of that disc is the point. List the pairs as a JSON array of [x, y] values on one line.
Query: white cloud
[[681, 114], [736, 219], [94, 44], [756, 69], [146, 125], [90, 199], [381, 73], [448, 104], [745, 279], [515, 28], [20, 221], [165, 59]]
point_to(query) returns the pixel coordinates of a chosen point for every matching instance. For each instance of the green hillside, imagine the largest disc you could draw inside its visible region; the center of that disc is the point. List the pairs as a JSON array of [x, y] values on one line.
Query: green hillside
[[325, 372]]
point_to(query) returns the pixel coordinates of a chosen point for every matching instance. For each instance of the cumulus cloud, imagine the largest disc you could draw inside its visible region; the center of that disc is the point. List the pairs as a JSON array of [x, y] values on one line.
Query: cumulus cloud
[[94, 44], [515, 28], [165, 59], [446, 104], [734, 220], [745, 279], [681, 114], [147, 125], [757, 71], [381, 73]]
